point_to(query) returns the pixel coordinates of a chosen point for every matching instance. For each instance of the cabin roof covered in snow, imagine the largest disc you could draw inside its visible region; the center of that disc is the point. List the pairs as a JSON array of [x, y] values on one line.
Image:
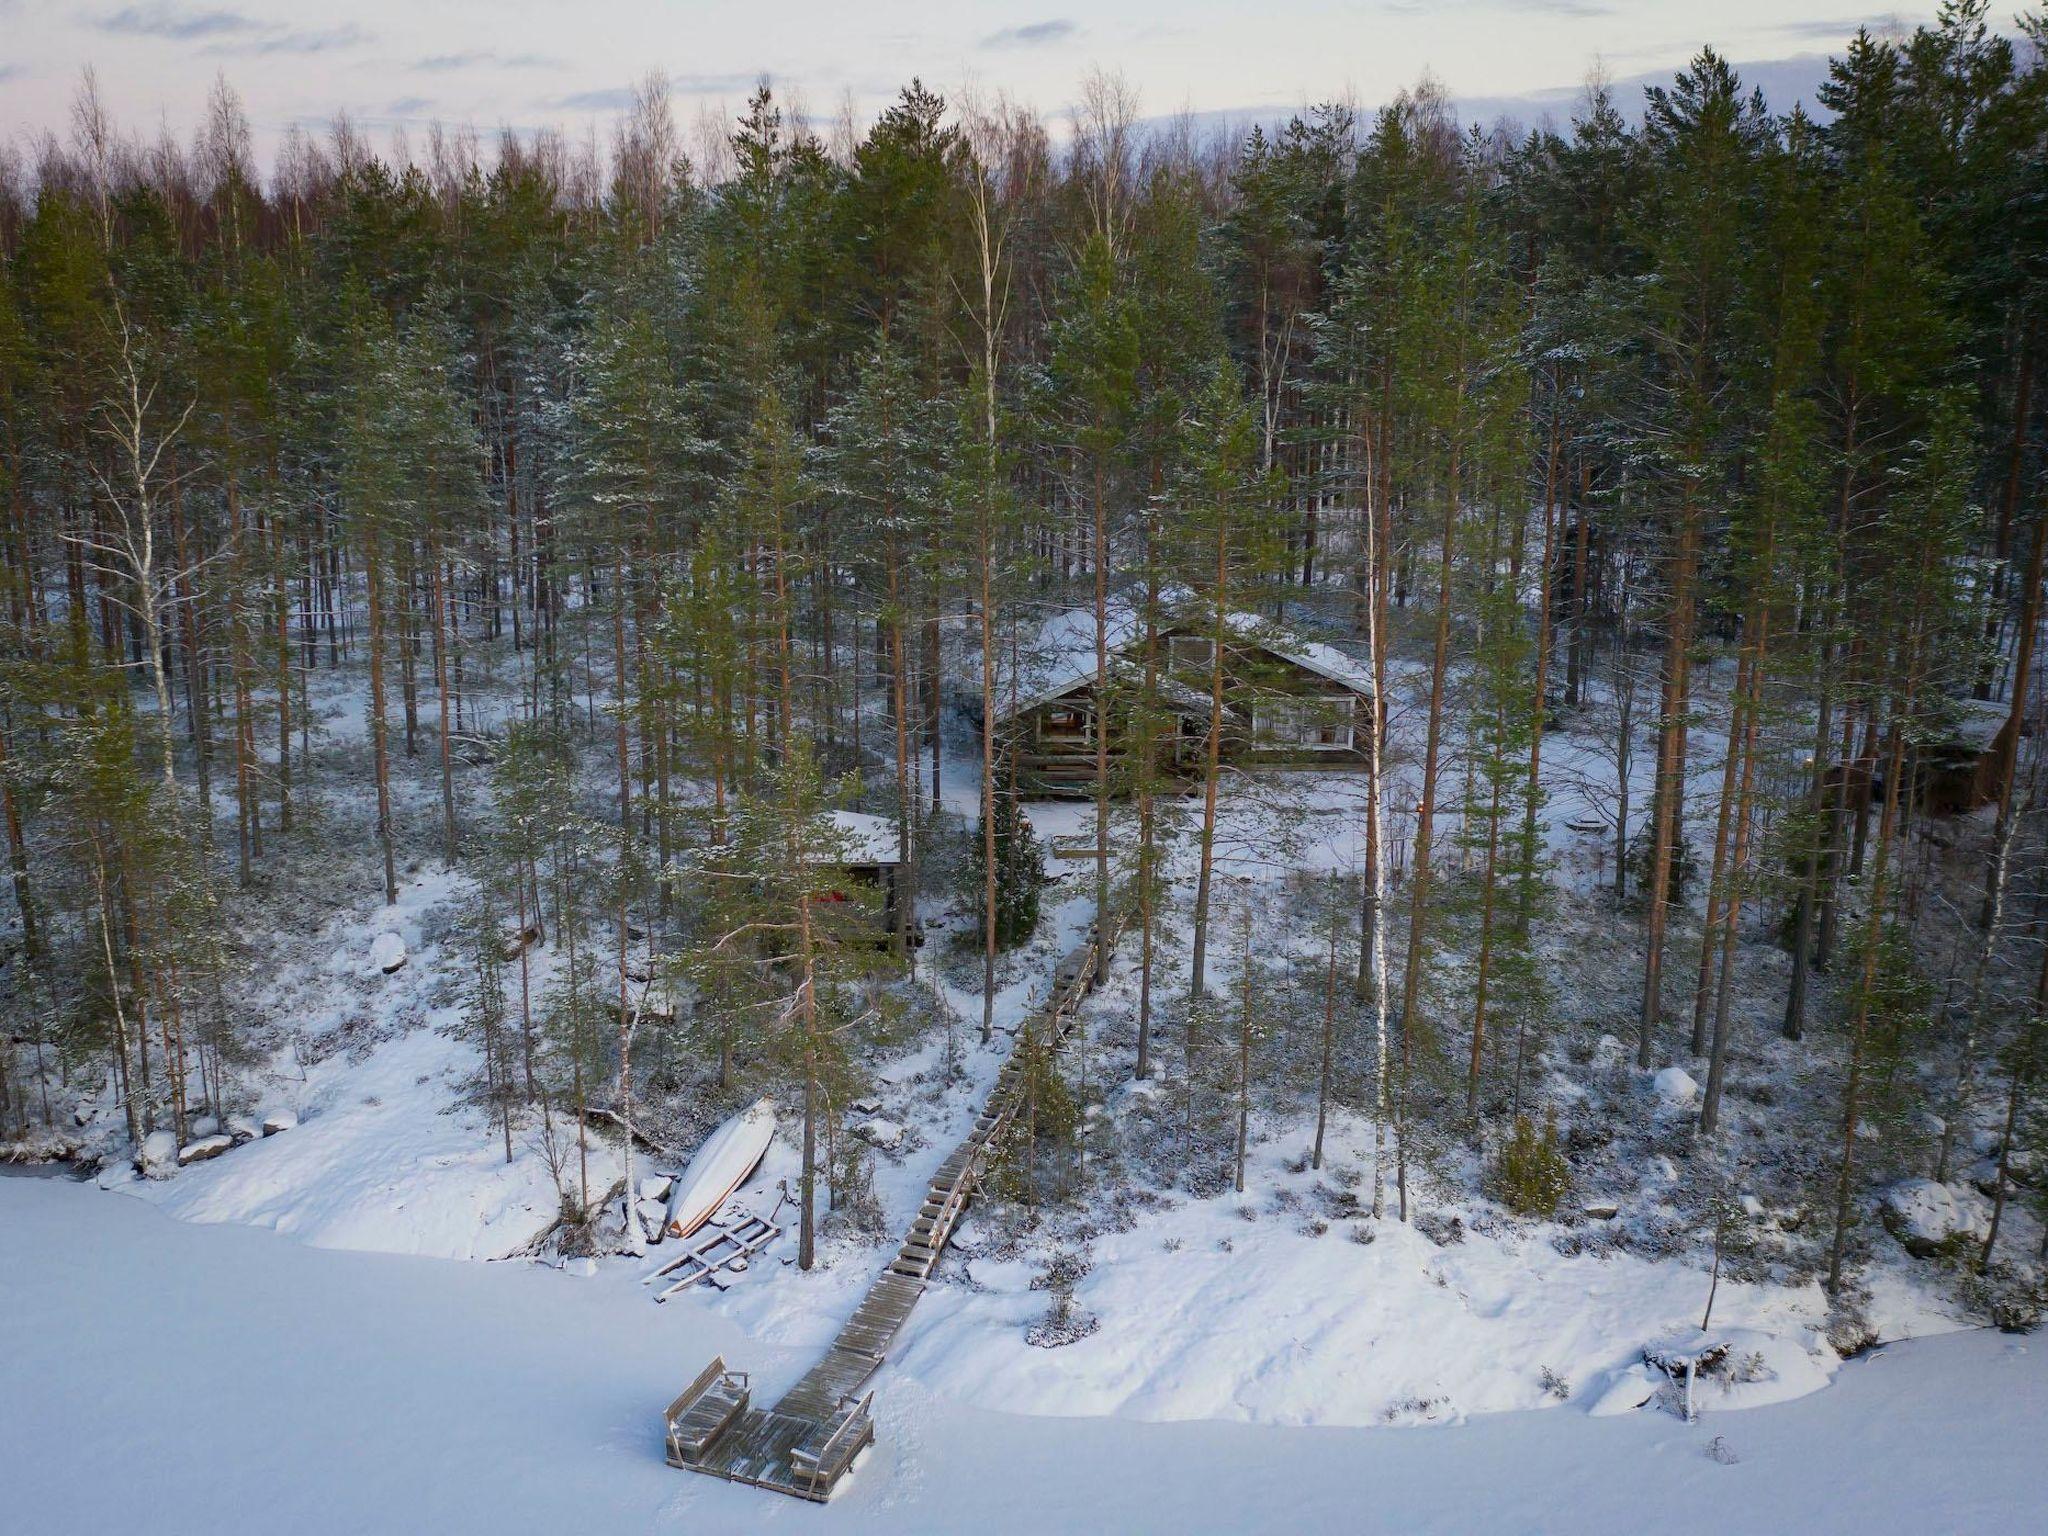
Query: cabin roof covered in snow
[[867, 839], [1323, 660], [1978, 722], [1061, 655]]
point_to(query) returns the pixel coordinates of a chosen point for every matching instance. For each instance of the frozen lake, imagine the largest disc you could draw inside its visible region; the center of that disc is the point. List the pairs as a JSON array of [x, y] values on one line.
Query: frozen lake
[[175, 1377]]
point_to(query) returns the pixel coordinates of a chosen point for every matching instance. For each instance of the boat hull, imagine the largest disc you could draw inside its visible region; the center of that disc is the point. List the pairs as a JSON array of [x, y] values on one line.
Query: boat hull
[[727, 1160]]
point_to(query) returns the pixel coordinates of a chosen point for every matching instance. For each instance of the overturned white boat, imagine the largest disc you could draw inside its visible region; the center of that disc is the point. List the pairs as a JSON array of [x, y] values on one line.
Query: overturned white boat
[[725, 1161]]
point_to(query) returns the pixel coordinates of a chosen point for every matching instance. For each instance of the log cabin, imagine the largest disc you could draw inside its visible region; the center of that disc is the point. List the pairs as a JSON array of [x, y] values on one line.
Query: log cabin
[[1288, 702]]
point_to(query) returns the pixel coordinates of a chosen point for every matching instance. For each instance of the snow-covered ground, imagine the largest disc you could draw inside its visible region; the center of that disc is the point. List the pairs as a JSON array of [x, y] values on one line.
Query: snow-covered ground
[[1261, 1308], [172, 1377], [1250, 1350], [384, 1155], [1241, 1308]]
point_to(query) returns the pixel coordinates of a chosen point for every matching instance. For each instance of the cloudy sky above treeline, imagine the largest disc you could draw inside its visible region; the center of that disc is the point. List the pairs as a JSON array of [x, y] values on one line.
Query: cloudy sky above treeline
[[395, 64]]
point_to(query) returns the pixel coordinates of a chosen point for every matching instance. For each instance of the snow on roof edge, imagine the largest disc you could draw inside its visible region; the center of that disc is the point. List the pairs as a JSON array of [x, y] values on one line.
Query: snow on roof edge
[[867, 839]]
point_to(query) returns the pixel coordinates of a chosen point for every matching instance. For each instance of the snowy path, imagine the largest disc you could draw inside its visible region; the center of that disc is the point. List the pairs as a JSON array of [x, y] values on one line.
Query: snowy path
[[255, 1378]]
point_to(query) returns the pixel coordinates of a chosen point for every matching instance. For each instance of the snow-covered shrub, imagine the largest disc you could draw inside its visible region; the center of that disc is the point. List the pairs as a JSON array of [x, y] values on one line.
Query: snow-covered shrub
[[1444, 1232], [1337, 1204], [1062, 1272], [1530, 1174], [1849, 1329], [1063, 1323], [1414, 1408], [1599, 1241], [1020, 873], [858, 1216], [1555, 1384], [2013, 1299], [1746, 1367]]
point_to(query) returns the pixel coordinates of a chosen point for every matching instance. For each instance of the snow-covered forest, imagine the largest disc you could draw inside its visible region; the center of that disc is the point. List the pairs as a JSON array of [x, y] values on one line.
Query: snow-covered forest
[[516, 648]]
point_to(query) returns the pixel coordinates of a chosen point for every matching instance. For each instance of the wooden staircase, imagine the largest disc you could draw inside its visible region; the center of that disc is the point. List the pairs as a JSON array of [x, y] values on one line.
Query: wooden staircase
[[811, 1438]]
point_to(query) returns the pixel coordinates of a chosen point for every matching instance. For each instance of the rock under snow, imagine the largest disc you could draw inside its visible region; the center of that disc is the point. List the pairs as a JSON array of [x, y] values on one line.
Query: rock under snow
[[1675, 1087], [1692, 1351], [204, 1149], [159, 1153], [1626, 1391], [1924, 1215], [387, 952], [2021, 1168], [654, 1186], [279, 1120], [886, 1134], [204, 1126], [244, 1127], [653, 1213]]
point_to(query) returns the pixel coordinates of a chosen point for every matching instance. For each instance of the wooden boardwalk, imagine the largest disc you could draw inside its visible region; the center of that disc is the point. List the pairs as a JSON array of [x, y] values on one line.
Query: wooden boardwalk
[[808, 1440]]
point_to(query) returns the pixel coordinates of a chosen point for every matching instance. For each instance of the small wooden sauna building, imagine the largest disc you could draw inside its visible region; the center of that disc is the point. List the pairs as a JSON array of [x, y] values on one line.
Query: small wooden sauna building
[[1961, 762], [872, 858]]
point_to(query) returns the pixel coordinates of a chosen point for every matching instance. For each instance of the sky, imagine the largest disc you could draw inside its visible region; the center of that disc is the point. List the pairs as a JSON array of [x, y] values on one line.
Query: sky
[[524, 63]]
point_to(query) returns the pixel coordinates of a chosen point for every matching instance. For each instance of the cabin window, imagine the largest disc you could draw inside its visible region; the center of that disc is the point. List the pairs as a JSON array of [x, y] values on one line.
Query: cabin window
[[1194, 652], [1313, 725], [1064, 722]]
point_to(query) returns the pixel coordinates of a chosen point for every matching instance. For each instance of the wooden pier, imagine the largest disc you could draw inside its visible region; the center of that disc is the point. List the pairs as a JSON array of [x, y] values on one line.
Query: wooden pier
[[810, 1438]]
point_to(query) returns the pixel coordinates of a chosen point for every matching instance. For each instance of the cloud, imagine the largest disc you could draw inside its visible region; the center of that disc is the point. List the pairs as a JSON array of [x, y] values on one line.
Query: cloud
[[177, 23], [1783, 81], [1841, 29], [409, 106], [620, 98], [613, 99], [1036, 34], [470, 58], [290, 41], [226, 32], [718, 85], [1561, 8]]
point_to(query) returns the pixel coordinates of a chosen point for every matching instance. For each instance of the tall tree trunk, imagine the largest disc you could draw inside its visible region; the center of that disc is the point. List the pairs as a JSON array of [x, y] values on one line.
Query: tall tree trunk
[[1100, 553], [1212, 771], [379, 730], [1724, 819], [448, 835], [1749, 717], [1425, 825], [1669, 826]]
